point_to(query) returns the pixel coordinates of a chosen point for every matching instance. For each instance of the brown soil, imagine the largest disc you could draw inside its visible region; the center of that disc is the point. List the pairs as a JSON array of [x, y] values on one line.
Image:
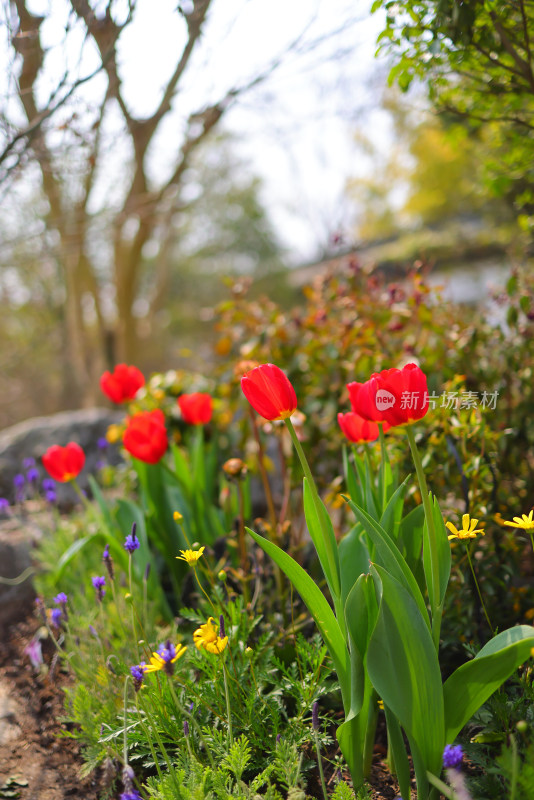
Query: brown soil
[[35, 762]]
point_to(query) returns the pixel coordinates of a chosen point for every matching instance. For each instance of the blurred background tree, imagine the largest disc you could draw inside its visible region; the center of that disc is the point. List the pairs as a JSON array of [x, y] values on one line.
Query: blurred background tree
[[432, 175], [476, 58], [109, 202]]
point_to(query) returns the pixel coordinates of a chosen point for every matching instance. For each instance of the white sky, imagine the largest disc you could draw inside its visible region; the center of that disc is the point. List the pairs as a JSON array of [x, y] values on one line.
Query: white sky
[[296, 128]]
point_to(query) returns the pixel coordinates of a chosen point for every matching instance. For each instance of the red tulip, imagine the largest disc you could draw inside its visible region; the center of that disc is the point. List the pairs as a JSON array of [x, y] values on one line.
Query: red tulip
[[397, 396], [122, 384], [196, 408], [64, 463], [269, 392], [145, 436], [357, 429], [362, 398]]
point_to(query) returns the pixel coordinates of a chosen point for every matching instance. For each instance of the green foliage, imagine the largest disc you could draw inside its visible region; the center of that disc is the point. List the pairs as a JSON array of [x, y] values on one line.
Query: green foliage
[[390, 635], [440, 166], [343, 791], [354, 322], [476, 60], [223, 782]]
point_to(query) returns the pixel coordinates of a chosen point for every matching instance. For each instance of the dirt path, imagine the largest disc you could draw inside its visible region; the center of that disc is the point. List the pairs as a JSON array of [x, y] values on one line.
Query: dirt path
[[34, 762]]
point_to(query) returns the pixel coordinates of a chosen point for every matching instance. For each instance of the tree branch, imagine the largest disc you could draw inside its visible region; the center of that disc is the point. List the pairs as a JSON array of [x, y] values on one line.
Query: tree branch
[[524, 66]]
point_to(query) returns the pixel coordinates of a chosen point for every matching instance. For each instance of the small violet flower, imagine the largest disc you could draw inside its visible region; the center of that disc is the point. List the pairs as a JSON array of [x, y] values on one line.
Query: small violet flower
[[55, 617], [165, 658], [19, 482], [108, 561], [98, 584], [61, 599], [32, 475], [315, 716], [132, 543], [48, 484], [28, 463], [138, 673], [4, 505], [452, 756]]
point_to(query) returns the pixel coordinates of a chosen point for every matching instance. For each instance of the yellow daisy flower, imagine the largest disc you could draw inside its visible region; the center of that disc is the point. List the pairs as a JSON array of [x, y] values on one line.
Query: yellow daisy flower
[[467, 531], [524, 522], [207, 637], [191, 556], [165, 657]]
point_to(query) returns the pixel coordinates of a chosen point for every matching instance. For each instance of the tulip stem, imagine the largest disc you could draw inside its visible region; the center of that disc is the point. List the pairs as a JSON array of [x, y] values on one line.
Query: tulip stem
[[332, 561], [432, 538], [383, 461], [276, 527]]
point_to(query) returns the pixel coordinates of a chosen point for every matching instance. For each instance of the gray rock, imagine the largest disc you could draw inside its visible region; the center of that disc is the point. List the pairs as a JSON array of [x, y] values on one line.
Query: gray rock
[[31, 438], [15, 598]]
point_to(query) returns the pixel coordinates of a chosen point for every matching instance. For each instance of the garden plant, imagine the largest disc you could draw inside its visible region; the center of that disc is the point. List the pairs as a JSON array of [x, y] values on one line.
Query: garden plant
[[237, 625]]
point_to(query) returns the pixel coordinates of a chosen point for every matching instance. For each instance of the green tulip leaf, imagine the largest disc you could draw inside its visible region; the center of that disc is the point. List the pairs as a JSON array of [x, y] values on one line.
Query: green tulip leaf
[[403, 667], [398, 750], [411, 542], [388, 555], [392, 516], [353, 559], [351, 479], [319, 609], [472, 683], [320, 527], [443, 552]]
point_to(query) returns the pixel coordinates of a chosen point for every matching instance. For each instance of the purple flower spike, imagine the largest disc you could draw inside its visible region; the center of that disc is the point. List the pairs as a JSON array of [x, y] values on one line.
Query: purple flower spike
[[222, 632], [19, 482], [315, 716], [32, 475], [133, 795], [186, 727], [61, 599], [4, 505], [102, 443], [108, 561], [50, 496], [452, 756], [48, 484], [132, 543], [138, 673], [28, 463], [55, 617], [98, 584]]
